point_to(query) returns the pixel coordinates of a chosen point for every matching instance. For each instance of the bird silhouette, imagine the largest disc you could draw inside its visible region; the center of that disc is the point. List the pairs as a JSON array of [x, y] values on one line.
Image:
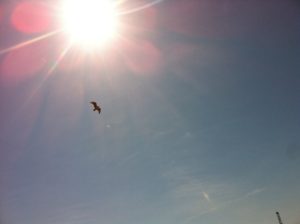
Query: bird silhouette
[[96, 107]]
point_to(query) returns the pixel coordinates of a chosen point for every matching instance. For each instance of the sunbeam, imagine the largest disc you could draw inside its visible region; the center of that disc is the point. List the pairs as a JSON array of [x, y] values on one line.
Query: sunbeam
[[28, 42], [56, 63], [59, 59], [140, 7], [39, 86]]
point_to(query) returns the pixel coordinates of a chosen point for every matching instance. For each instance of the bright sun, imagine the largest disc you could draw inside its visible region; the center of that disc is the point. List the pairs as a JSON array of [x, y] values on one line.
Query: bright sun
[[90, 23]]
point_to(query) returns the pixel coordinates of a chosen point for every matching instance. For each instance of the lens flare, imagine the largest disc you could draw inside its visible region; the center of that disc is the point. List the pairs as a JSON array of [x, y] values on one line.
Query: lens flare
[[31, 17]]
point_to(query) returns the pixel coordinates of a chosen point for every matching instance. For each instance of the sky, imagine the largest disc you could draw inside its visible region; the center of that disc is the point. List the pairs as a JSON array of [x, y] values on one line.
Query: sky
[[200, 116]]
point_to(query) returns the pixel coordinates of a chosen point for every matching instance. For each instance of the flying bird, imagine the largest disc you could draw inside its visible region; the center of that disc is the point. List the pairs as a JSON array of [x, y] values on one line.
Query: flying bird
[[96, 107]]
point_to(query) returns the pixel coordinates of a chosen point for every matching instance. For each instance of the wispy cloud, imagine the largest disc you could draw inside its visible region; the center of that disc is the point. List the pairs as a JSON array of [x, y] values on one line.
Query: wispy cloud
[[206, 196], [242, 197], [254, 192], [191, 196], [194, 197]]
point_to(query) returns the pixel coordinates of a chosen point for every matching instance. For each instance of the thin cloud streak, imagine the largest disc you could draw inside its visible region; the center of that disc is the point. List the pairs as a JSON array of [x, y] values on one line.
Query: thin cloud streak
[[206, 196], [194, 201]]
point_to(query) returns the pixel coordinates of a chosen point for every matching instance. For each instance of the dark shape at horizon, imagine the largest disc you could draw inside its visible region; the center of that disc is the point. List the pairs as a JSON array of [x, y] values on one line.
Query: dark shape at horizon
[[96, 107], [279, 218]]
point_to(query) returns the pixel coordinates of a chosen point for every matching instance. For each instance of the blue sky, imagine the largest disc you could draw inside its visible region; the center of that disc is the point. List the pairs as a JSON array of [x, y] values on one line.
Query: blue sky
[[200, 119]]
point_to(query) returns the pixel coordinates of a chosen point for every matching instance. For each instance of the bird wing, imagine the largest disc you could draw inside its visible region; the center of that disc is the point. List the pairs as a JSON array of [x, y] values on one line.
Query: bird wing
[[96, 107], [94, 104]]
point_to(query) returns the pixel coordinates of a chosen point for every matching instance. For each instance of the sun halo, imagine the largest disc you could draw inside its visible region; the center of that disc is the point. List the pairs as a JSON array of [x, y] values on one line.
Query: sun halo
[[90, 23]]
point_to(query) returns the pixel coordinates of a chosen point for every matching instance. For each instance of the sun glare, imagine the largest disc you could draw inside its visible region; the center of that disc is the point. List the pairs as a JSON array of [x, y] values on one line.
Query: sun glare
[[90, 23]]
